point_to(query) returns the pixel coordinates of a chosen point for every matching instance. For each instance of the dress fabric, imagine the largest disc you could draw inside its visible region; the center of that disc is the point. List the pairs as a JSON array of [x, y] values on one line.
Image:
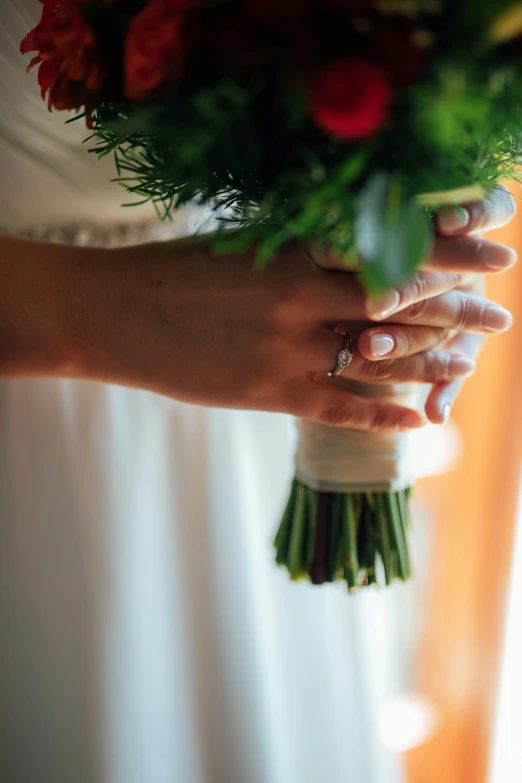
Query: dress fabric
[[146, 634]]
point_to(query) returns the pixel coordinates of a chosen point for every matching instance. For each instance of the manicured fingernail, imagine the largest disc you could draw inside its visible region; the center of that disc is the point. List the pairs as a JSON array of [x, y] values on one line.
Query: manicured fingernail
[[451, 220], [381, 344], [496, 319], [382, 306], [461, 367], [411, 421], [498, 256], [445, 411]]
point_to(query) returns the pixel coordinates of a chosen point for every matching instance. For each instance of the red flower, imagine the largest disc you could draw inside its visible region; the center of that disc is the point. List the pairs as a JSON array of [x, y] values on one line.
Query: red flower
[[350, 98], [156, 47], [71, 68]]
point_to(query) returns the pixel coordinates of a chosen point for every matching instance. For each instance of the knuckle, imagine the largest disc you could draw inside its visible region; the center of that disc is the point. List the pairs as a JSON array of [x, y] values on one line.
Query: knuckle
[[337, 415], [463, 313], [418, 311], [417, 289], [377, 371], [456, 280], [436, 366], [409, 342], [380, 420]]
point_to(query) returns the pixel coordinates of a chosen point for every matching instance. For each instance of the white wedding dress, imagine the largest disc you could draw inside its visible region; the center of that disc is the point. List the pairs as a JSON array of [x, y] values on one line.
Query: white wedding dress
[[146, 634]]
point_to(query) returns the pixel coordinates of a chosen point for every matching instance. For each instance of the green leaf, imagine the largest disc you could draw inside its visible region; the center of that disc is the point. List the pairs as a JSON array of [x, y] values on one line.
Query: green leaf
[[393, 235], [371, 210], [353, 167]]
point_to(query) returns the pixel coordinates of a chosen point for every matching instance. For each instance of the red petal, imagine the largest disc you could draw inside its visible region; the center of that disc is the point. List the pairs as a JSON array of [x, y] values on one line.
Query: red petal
[[46, 77], [28, 43], [34, 61]]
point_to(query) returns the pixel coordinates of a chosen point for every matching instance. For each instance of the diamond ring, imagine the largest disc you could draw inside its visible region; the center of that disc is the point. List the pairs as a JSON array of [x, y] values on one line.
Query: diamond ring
[[344, 357]]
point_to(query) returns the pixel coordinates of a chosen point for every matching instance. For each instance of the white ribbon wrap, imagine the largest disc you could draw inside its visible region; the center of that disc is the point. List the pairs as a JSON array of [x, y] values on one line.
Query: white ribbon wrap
[[336, 459]]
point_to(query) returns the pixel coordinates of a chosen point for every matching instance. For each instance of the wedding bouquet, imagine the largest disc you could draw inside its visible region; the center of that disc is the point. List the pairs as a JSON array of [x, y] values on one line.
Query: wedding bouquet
[[343, 123]]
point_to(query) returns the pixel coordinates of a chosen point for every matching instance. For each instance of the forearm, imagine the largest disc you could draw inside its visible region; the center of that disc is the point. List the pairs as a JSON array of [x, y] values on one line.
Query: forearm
[[38, 299]]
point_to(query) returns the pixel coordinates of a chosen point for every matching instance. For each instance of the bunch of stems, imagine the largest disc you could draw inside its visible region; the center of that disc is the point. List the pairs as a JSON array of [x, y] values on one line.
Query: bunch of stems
[[333, 536]]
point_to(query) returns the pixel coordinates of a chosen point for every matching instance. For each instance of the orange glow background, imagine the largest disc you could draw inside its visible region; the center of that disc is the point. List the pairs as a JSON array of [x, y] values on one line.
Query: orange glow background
[[475, 506]]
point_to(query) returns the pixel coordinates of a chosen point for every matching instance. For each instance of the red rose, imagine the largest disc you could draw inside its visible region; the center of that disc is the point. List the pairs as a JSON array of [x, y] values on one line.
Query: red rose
[[156, 47], [350, 98], [71, 69]]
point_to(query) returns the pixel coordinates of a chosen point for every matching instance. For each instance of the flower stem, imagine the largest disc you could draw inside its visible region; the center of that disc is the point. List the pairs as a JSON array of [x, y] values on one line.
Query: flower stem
[[331, 536]]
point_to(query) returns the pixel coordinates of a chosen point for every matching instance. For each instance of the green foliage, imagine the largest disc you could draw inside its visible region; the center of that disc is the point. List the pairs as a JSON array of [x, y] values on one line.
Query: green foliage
[[245, 144], [358, 538], [391, 233]]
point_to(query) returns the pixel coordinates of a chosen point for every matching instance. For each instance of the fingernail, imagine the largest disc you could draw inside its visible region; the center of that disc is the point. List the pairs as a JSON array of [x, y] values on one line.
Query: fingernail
[[496, 319], [461, 367], [498, 256], [381, 344], [411, 421], [445, 411], [382, 306], [451, 220]]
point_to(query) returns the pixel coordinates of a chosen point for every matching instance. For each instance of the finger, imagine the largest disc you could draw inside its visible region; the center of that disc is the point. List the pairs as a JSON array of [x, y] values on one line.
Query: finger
[[452, 262], [421, 367], [495, 211], [328, 404], [458, 310], [339, 297], [467, 344], [467, 255], [423, 285], [473, 284], [441, 399], [443, 395], [426, 367], [339, 294], [397, 342]]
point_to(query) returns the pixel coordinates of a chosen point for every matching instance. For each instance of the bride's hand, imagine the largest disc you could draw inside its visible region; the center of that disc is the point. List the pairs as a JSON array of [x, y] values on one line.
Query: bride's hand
[[175, 319], [458, 228]]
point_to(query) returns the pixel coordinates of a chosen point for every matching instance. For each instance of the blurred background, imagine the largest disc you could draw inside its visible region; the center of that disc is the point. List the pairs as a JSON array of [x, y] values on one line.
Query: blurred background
[[144, 639], [164, 646], [469, 643]]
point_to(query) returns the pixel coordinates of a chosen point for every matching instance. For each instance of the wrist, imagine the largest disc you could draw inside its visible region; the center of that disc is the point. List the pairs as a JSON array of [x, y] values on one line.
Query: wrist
[[40, 299]]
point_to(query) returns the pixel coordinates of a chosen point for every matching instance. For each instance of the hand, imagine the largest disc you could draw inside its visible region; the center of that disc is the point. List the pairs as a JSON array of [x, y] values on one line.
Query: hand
[[486, 215], [173, 318]]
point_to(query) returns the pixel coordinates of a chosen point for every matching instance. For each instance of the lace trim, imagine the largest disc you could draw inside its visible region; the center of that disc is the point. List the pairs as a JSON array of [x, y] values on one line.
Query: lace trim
[[185, 223]]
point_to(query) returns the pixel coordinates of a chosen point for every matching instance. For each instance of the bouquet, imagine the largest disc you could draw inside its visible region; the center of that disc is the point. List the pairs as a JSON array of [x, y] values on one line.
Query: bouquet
[[343, 123]]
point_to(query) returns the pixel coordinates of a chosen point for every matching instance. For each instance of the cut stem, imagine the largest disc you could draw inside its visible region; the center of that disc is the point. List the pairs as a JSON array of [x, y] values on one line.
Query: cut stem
[[331, 536]]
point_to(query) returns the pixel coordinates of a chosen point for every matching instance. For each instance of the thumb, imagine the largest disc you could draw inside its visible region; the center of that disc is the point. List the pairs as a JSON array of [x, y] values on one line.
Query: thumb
[[495, 211]]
